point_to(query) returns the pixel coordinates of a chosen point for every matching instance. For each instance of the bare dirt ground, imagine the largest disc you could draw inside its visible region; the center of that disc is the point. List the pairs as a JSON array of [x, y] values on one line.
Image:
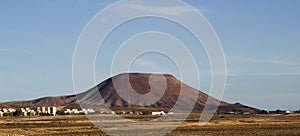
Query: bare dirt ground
[[218, 125]]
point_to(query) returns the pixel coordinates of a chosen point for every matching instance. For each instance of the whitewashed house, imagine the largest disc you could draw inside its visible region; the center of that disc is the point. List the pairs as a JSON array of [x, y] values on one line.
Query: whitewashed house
[[67, 111], [158, 113], [44, 110], [38, 110], [73, 111], [24, 113], [88, 111], [170, 113], [11, 110], [51, 110]]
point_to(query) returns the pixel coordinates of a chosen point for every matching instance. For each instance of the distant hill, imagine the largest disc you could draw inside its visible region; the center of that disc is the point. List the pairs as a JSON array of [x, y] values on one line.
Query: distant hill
[[140, 83]]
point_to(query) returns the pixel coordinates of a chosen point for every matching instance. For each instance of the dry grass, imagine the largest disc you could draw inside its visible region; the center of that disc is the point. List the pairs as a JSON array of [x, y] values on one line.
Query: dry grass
[[219, 125]]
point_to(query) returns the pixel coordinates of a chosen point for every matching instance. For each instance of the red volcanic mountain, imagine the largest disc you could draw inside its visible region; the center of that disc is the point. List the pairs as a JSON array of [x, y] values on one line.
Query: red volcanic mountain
[[140, 84]]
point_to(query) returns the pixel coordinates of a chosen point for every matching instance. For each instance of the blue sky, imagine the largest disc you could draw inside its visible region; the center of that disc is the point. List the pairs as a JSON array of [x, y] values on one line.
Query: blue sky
[[260, 40]]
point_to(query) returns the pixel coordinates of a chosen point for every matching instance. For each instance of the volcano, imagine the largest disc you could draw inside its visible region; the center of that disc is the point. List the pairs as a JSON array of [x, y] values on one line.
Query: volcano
[[139, 82]]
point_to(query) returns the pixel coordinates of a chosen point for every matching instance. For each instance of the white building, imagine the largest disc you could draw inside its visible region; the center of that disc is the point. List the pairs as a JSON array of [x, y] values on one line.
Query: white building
[[52, 110], [71, 111], [25, 113], [170, 113], [88, 111], [38, 110], [11, 110], [158, 113], [6, 110], [44, 110]]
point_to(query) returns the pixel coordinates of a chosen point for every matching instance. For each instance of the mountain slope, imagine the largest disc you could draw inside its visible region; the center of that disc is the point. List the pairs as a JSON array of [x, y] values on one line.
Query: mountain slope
[[140, 84]]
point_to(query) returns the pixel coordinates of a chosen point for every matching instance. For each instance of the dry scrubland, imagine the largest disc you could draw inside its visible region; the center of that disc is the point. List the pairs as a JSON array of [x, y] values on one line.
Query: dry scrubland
[[219, 125]]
